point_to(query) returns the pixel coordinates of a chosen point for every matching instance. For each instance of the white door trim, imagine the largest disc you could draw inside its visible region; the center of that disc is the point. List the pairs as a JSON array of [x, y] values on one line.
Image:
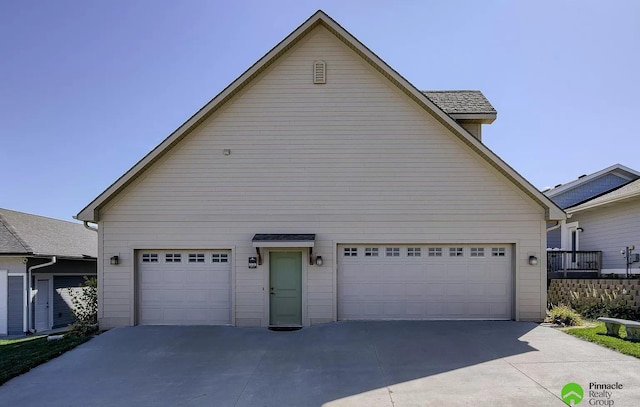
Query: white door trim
[[566, 231], [49, 295]]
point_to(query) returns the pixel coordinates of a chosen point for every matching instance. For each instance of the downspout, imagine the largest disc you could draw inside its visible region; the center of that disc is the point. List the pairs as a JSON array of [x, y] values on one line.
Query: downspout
[[30, 293]]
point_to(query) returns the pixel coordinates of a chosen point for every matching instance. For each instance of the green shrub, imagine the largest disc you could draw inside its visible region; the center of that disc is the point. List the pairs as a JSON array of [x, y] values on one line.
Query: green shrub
[[563, 315], [85, 309]]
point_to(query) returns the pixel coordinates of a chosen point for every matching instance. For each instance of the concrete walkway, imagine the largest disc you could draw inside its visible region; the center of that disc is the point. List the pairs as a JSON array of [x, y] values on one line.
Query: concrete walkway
[[340, 364]]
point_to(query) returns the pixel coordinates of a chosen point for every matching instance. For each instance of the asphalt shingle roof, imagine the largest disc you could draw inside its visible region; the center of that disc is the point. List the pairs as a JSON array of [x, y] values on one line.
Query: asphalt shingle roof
[[23, 233], [460, 101]]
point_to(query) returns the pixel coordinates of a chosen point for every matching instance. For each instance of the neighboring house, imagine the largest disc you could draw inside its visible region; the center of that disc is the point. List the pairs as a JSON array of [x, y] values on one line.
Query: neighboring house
[[322, 186], [580, 190], [609, 223], [56, 255]]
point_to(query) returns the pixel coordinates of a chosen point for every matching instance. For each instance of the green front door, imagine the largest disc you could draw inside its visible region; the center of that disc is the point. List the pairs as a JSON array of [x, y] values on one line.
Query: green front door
[[285, 288]]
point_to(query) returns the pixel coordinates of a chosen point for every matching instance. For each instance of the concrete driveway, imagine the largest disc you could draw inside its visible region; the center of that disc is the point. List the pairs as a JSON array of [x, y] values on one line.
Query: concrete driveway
[[341, 364]]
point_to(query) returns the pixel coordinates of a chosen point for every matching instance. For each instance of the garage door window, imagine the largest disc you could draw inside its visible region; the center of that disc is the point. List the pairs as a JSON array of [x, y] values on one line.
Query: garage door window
[[498, 252], [456, 252], [435, 252], [196, 257], [477, 252], [371, 252], [414, 252], [350, 251], [173, 258], [149, 257], [393, 252], [219, 258]]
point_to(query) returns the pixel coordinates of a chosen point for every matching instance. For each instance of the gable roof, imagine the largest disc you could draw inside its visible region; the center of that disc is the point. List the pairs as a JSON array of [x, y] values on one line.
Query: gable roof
[[25, 234], [627, 191], [463, 104], [617, 169], [92, 211]]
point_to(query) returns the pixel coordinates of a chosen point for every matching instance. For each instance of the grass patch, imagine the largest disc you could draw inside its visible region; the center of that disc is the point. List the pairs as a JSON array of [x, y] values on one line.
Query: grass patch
[[597, 334], [18, 356]]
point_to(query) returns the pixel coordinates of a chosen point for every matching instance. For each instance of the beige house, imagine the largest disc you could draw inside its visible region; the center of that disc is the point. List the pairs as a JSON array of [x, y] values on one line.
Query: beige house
[[322, 186]]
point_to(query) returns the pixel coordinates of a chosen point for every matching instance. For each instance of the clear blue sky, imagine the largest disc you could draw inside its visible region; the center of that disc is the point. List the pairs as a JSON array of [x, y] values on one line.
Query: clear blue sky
[[89, 87]]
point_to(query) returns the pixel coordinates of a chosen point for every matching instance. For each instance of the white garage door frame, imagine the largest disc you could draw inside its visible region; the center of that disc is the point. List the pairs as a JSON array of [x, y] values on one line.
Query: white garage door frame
[[136, 283], [512, 249]]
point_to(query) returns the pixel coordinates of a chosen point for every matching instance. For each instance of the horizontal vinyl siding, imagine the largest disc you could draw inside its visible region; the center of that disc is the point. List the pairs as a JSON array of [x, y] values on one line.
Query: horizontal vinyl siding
[[352, 160], [610, 229]]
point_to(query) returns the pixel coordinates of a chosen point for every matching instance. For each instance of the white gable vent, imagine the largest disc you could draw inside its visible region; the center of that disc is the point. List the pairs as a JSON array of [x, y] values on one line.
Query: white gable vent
[[319, 72]]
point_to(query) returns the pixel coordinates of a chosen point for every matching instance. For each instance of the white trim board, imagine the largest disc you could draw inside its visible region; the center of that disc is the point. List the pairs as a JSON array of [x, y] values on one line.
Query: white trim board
[[4, 302]]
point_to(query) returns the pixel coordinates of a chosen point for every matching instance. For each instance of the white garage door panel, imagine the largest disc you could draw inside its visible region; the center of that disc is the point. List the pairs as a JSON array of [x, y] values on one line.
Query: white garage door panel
[[476, 285], [174, 291]]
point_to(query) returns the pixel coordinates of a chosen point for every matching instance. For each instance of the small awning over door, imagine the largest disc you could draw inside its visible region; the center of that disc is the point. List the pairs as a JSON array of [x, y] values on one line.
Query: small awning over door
[[284, 240]]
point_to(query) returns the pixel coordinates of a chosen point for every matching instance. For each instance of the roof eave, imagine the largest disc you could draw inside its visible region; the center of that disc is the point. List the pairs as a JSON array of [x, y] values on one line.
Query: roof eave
[[483, 118]]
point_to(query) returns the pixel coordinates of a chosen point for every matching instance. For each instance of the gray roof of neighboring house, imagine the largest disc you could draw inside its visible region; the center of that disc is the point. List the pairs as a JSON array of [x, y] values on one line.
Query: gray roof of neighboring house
[[617, 169], [26, 234], [629, 190], [460, 101]]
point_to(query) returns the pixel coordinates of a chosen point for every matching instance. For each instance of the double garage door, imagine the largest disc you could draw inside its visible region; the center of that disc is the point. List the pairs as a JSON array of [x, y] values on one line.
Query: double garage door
[[184, 287], [379, 282]]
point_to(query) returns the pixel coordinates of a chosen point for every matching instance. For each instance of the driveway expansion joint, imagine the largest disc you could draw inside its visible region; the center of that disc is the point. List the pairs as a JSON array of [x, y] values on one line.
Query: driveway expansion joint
[[535, 381], [384, 376], [249, 379]]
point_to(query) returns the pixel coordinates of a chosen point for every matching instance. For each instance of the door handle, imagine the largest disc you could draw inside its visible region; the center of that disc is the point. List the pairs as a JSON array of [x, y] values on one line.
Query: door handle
[[272, 291]]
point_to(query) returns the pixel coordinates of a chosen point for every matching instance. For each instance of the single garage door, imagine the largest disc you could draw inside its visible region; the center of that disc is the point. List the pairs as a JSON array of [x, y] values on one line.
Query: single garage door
[[184, 287], [378, 282]]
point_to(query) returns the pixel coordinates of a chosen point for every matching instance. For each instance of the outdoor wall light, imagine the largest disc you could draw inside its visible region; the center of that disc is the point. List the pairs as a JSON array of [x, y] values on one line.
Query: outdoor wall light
[[319, 261], [114, 260], [533, 260]]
